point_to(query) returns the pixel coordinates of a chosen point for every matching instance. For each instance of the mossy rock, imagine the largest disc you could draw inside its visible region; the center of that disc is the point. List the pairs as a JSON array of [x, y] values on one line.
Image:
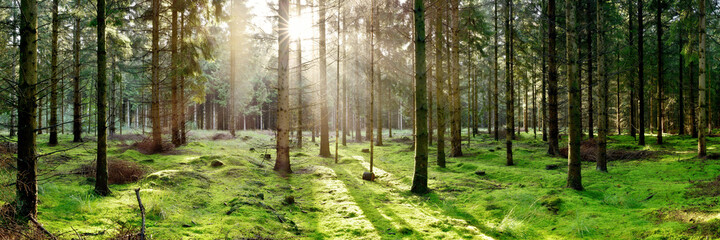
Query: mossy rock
[[217, 163], [177, 177]]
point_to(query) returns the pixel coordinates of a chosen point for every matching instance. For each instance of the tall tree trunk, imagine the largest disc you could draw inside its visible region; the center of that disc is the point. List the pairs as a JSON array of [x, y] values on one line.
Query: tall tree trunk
[[544, 104], [301, 87], [379, 110], [455, 119], [702, 100], [54, 78], [508, 88], [77, 104], [282, 163], [182, 118], [419, 185], [632, 83], [441, 106], [324, 129], [601, 163], [553, 148], [574, 180], [588, 42], [372, 86], [155, 85], [101, 172], [174, 62], [681, 90], [496, 93], [233, 56], [26, 197], [659, 100], [641, 73], [337, 87]]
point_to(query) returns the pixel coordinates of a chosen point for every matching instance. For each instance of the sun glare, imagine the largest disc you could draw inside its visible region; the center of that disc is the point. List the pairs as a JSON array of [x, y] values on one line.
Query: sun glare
[[301, 27]]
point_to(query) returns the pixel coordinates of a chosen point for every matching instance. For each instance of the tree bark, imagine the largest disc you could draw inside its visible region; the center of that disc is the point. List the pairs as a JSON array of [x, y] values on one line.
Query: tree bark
[[101, 173], [641, 73], [282, 163], [324, 129], [601, 163], [53, 140], [77, 104], [419, 185], [496, 93], [155, 81], [508, 88], [455, 119], [659, 100], [26, 185], [702, 97], [553, 148], [574, 180], [175, 121], [441, 106]]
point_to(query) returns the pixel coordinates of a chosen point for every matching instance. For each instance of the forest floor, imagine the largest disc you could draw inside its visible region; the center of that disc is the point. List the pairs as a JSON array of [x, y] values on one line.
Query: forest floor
[[667, 194]]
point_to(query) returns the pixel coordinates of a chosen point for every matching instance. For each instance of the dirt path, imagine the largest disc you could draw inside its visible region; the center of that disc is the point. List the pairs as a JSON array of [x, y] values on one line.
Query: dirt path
[[382, 208]]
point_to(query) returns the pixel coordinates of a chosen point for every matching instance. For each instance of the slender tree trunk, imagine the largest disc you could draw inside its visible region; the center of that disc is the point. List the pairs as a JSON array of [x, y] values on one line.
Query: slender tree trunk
[[496, 93], [77, 104], [324, 129], [641, 73], [101, 173], [54, 78], [659, 100], [508, 88], [301, 87], [574, 180], [440, 86], [455, 122], [26, 196], [155, 104], [632, 83], [588, 41], [419, 185], [282, 163], [372, 86], [183, 102], [344, 84], [544, 103], [337, 87], [601, 163], [681, 90], [379, 110], [693, 102], [175, 121], [702, 100], [553, 148]]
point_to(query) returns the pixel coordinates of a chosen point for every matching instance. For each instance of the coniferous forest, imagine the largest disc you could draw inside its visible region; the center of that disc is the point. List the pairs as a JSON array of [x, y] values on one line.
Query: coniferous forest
[[359, 119]]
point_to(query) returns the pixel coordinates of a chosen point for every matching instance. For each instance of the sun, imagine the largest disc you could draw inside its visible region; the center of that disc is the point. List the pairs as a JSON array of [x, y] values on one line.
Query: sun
[[301, 27]]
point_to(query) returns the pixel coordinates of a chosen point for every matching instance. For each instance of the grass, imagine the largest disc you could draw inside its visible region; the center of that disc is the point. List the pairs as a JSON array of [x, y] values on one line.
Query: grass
[[186, 198]]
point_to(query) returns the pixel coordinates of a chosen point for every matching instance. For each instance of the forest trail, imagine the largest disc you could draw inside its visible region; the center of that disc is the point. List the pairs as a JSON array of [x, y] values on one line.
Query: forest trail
[[384, 205]]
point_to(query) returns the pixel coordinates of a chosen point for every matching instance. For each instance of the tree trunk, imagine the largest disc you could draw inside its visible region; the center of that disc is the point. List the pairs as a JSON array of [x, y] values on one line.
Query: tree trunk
[[508, 88], [155, 104], [588, 41], [632, 83], [702, 100], [681, 85], [601, 163], [419, 185], [659, 100], [54, 75], [282, 163], [455, 122], [543, 100], [174, 62], [26, 185], [641, 72], [101, 172], [77, 104], [441, 106], [496, 93], [553, 148], [324, 129], [574, 180]]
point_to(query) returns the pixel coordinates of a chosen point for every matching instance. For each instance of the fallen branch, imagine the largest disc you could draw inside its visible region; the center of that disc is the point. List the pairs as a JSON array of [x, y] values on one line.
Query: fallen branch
[[32, 219], [142, 214]]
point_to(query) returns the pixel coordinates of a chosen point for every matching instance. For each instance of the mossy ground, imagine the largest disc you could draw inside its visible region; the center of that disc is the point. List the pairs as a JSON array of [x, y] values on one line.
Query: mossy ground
[[187, 198]]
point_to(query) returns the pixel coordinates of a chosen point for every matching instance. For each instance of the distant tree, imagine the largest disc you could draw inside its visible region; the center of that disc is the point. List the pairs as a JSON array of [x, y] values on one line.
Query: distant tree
[[155, 79], [441, 105]]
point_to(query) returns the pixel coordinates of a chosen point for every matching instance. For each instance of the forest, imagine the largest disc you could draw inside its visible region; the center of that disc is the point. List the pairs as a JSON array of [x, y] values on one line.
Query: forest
[[359, 119]]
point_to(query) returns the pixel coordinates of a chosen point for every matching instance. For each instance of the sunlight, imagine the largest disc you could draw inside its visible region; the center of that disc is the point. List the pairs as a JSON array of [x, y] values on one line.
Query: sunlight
[[301, 27]]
